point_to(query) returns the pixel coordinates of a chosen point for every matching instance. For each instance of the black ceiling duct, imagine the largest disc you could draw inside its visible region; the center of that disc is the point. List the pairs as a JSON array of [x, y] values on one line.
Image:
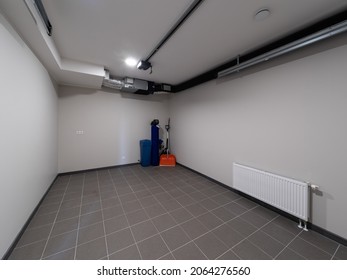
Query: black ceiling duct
[[41, 9]]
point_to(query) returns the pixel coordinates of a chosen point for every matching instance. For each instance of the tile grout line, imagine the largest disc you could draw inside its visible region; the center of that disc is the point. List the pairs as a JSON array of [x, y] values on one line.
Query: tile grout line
[[238, 216], [275, 238], [167, 255], [56, 215], [208, 211], [156, 227], [269, 235], [229, 250], [135, 241], [314, 245], [169, 213], [132, 234], [178, 224], [281, 242], [246, 238], [338, 247], [319, 248], [57, 253], [102, 214], [128, 227], [79, 217], [229, 220], [295, 237], [192, 240], [158, 179]]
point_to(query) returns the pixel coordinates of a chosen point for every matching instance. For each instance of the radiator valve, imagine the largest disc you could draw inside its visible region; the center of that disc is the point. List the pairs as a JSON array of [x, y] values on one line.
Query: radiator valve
[[313, 187]]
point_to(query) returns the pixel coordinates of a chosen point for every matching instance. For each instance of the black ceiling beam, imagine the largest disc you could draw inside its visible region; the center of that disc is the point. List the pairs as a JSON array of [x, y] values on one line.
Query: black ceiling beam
[[213, 73]]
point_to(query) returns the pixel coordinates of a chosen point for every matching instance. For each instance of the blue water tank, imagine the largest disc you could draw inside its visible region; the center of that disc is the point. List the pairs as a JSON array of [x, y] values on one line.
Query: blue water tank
[[145, 149], [155, 145]]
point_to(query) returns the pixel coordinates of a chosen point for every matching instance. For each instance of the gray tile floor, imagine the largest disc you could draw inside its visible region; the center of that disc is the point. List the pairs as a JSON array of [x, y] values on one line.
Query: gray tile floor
[[161, 213]]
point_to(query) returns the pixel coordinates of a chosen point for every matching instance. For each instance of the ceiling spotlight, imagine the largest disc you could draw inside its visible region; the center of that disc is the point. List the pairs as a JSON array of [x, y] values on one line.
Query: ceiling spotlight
[[130, 61], [262, 14], [144, 65]]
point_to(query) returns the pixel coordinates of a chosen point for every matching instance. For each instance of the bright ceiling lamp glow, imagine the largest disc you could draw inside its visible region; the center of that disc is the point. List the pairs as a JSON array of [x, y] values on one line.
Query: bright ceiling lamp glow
[[131, 61]]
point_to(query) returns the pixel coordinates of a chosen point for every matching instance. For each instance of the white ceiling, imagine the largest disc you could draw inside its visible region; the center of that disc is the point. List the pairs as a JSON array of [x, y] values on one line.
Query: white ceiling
[[103, 33]]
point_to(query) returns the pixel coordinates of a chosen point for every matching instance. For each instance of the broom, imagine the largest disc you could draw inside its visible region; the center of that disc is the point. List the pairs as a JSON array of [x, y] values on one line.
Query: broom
[[166, 159]]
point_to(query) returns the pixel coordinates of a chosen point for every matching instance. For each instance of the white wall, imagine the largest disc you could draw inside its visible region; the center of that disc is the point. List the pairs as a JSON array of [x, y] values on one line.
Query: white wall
[[113, 124], [289, 119], [28, 122]]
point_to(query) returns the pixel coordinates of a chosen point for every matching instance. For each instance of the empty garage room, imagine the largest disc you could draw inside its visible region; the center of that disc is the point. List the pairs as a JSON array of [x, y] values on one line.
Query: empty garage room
[[255, 92]]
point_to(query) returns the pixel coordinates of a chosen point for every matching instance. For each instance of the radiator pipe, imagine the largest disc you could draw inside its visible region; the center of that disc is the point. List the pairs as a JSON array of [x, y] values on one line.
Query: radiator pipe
[[302, 225], [312, 186]]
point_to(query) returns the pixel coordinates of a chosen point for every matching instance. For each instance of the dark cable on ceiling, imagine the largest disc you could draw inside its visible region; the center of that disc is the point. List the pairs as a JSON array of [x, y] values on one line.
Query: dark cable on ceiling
[[43, 14], [193, 6]]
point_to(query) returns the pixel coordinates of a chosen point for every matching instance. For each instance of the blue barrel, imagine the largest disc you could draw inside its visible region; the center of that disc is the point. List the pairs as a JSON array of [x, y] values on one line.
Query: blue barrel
[[145, 149]]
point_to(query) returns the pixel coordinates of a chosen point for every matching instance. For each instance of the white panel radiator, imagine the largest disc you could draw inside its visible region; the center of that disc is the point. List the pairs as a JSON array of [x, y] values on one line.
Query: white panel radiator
[[283, 193]]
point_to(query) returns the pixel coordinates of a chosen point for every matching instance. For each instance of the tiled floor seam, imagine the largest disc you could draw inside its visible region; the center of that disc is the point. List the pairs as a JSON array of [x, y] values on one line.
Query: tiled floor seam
[[91, 212], [191, 241], [57, 253], [167, 254], [193, 218], [160, 180], [196, 247], [296, 236], [186, 205], [126, 219], [271, 257], [157, 229], [79, 218], [31, 243], [229, 250], [333, 256], [309, 242], [165, 245], [247, 238], [209, 231], [128, 227], [102, 214], [319, 248], [55, 219], [274, 237]]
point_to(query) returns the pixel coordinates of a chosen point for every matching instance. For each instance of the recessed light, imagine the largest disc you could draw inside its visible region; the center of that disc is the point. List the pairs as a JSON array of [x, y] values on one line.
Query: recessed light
[[262, 14], [131, 61]]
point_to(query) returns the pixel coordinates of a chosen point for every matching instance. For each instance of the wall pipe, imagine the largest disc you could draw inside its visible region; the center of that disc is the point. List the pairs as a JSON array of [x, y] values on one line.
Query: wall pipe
[[298, 44]]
